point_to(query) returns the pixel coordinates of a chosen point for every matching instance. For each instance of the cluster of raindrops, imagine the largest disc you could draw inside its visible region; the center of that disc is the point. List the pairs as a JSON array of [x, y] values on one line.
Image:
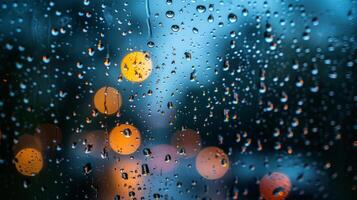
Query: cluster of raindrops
[[178, 99]]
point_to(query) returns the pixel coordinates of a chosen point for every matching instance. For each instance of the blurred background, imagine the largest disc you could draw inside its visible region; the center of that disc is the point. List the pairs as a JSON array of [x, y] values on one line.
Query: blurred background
[[227, 99]]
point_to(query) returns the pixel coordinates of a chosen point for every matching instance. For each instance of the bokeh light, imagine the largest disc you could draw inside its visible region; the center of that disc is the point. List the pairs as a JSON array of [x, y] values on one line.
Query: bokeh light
[[212, 163], [163, 158], [275, 186], [136, 66], [29, 161], [187, 142], [107, 100], [125, 139]]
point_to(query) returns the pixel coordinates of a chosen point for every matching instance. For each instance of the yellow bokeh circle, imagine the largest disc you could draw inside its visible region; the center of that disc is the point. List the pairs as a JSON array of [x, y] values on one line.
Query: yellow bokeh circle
[[136, 66], [29, 161], [125, 139], [107, 100]]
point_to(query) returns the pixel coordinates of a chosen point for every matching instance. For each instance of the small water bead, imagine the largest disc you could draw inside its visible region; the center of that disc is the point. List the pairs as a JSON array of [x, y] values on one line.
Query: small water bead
[[233, 44], [305, 36], [145, 169], [131, 98], [232, 18], [210, 19], [147, 152], [201, 8], [188, 55], [90, 51], [268, 37], [86, 2], [193, 76], [233, 34], [100, 46], [226, 65], [132, 195], [170, 105], [151, 44], [245, 12], [88, 148], [175, 28], [127, 132], [104, 153], [282, 22], [170, 14], [211, 7], [181, 151], [26, 183], [273, 45], [87, 169], [315, 21], [107, 62], [268, 27], [156, 196], [54, 31], [278, 191], [168, 158], [46, 59], [124, 175], [224, 162], [74, 145]]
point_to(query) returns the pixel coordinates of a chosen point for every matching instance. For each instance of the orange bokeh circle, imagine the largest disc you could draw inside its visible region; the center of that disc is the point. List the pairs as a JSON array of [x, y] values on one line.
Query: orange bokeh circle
[[275, 186], [125, 139], [107, 100], [29, 161], [187, 142], [212, 163]]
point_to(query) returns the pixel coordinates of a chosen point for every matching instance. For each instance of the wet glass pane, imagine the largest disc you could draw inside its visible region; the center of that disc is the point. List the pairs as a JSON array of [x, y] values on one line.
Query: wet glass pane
[[178, 99]]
